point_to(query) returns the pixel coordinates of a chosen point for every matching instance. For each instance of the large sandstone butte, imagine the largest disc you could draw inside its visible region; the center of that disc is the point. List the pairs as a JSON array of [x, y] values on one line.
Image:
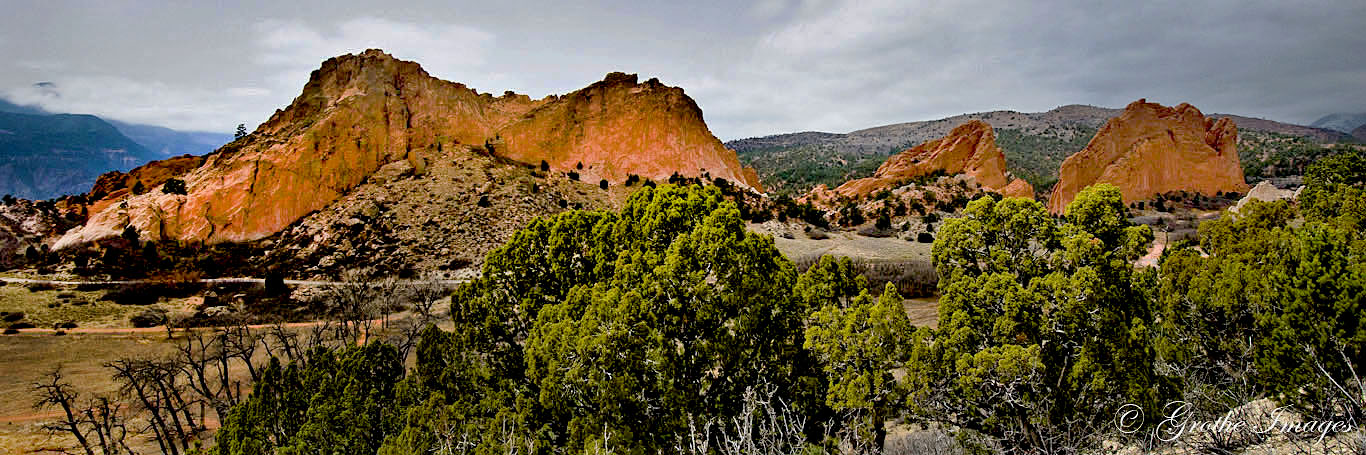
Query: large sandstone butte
[[618, 127], [360, 112], [969, 148], [1150, 149]]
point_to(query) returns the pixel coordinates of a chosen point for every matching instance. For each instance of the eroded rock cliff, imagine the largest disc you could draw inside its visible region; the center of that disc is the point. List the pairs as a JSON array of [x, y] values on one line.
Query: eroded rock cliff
[[359, 112], [969, 149], [1150, 149], [618, 127]]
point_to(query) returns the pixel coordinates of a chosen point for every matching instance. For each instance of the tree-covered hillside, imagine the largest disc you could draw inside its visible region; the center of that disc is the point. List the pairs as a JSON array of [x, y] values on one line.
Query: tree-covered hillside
[[1036, 155], [793, 170], [45, 156], [1267, 155], [1034, 144]]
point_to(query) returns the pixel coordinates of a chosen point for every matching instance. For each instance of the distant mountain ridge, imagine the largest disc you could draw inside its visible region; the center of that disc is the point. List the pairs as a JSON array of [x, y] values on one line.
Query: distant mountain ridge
[[167, 142], [45, 155], [160, 140], [1034, 143], [1343, 122]]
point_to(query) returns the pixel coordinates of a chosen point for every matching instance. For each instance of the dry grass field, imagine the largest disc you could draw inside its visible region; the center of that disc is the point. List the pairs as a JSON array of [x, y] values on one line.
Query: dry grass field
[[46, 306], [26, 358]]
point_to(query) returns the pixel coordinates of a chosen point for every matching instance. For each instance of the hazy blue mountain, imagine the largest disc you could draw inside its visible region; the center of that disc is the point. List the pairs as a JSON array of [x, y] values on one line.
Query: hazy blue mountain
[[6, 106], [45, 156], [1344, 122], [163, 142], [166, 142]]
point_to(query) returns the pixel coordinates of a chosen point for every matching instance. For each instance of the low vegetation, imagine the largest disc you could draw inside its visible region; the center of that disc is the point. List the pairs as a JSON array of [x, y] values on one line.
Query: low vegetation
[[1266, 155], [793, 171], [1036, 156], [670, 327]]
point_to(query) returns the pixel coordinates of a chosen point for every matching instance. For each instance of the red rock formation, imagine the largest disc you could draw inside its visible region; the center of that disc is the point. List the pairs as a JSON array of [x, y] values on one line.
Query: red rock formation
[[618, 127], [359, 112], [1151, 149], [969, 149], [115, 186]]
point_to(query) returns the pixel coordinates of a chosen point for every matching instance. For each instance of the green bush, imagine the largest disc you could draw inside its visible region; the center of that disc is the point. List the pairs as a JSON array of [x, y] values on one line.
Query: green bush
[[36, 287], [148, 318], [139, 295], [1039, 322], [173, 186]]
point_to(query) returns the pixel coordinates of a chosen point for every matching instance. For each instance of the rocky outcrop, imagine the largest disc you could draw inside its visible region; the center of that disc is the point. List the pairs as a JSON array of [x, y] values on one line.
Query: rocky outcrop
[[360, 112], [1264, 191], [969, 148], [1151, 149], [115, 186], [618, 127]]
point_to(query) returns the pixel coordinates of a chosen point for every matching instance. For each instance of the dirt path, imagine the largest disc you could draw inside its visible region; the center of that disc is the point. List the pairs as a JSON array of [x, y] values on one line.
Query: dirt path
[[1155, 250], [162, 329], [31, 417]]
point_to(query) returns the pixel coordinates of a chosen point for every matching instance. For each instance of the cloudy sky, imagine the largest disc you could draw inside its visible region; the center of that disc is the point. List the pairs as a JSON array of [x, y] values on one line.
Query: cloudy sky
[[761, 68]]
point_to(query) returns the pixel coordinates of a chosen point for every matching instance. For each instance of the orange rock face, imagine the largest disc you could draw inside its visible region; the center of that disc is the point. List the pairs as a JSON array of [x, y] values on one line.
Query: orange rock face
[[969, 149], [359, 112], [618, 127], [1151, 149], [115, 186]]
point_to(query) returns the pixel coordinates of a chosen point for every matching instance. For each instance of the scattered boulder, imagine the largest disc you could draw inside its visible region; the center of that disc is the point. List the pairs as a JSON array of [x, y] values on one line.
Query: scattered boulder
[[1264, 191], [369, 210], [392, 171], [217, 312]]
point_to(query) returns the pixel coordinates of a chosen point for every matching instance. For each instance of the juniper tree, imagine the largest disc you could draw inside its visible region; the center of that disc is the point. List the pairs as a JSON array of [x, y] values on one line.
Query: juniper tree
[[1042, 331]]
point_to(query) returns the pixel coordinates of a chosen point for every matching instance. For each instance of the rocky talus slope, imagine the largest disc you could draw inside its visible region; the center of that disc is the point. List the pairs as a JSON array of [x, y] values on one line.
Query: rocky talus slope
[[441, 220]]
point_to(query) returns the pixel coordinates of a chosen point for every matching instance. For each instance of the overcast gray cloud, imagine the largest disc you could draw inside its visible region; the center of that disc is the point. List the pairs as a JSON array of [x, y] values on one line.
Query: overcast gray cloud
[[767, 67]]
